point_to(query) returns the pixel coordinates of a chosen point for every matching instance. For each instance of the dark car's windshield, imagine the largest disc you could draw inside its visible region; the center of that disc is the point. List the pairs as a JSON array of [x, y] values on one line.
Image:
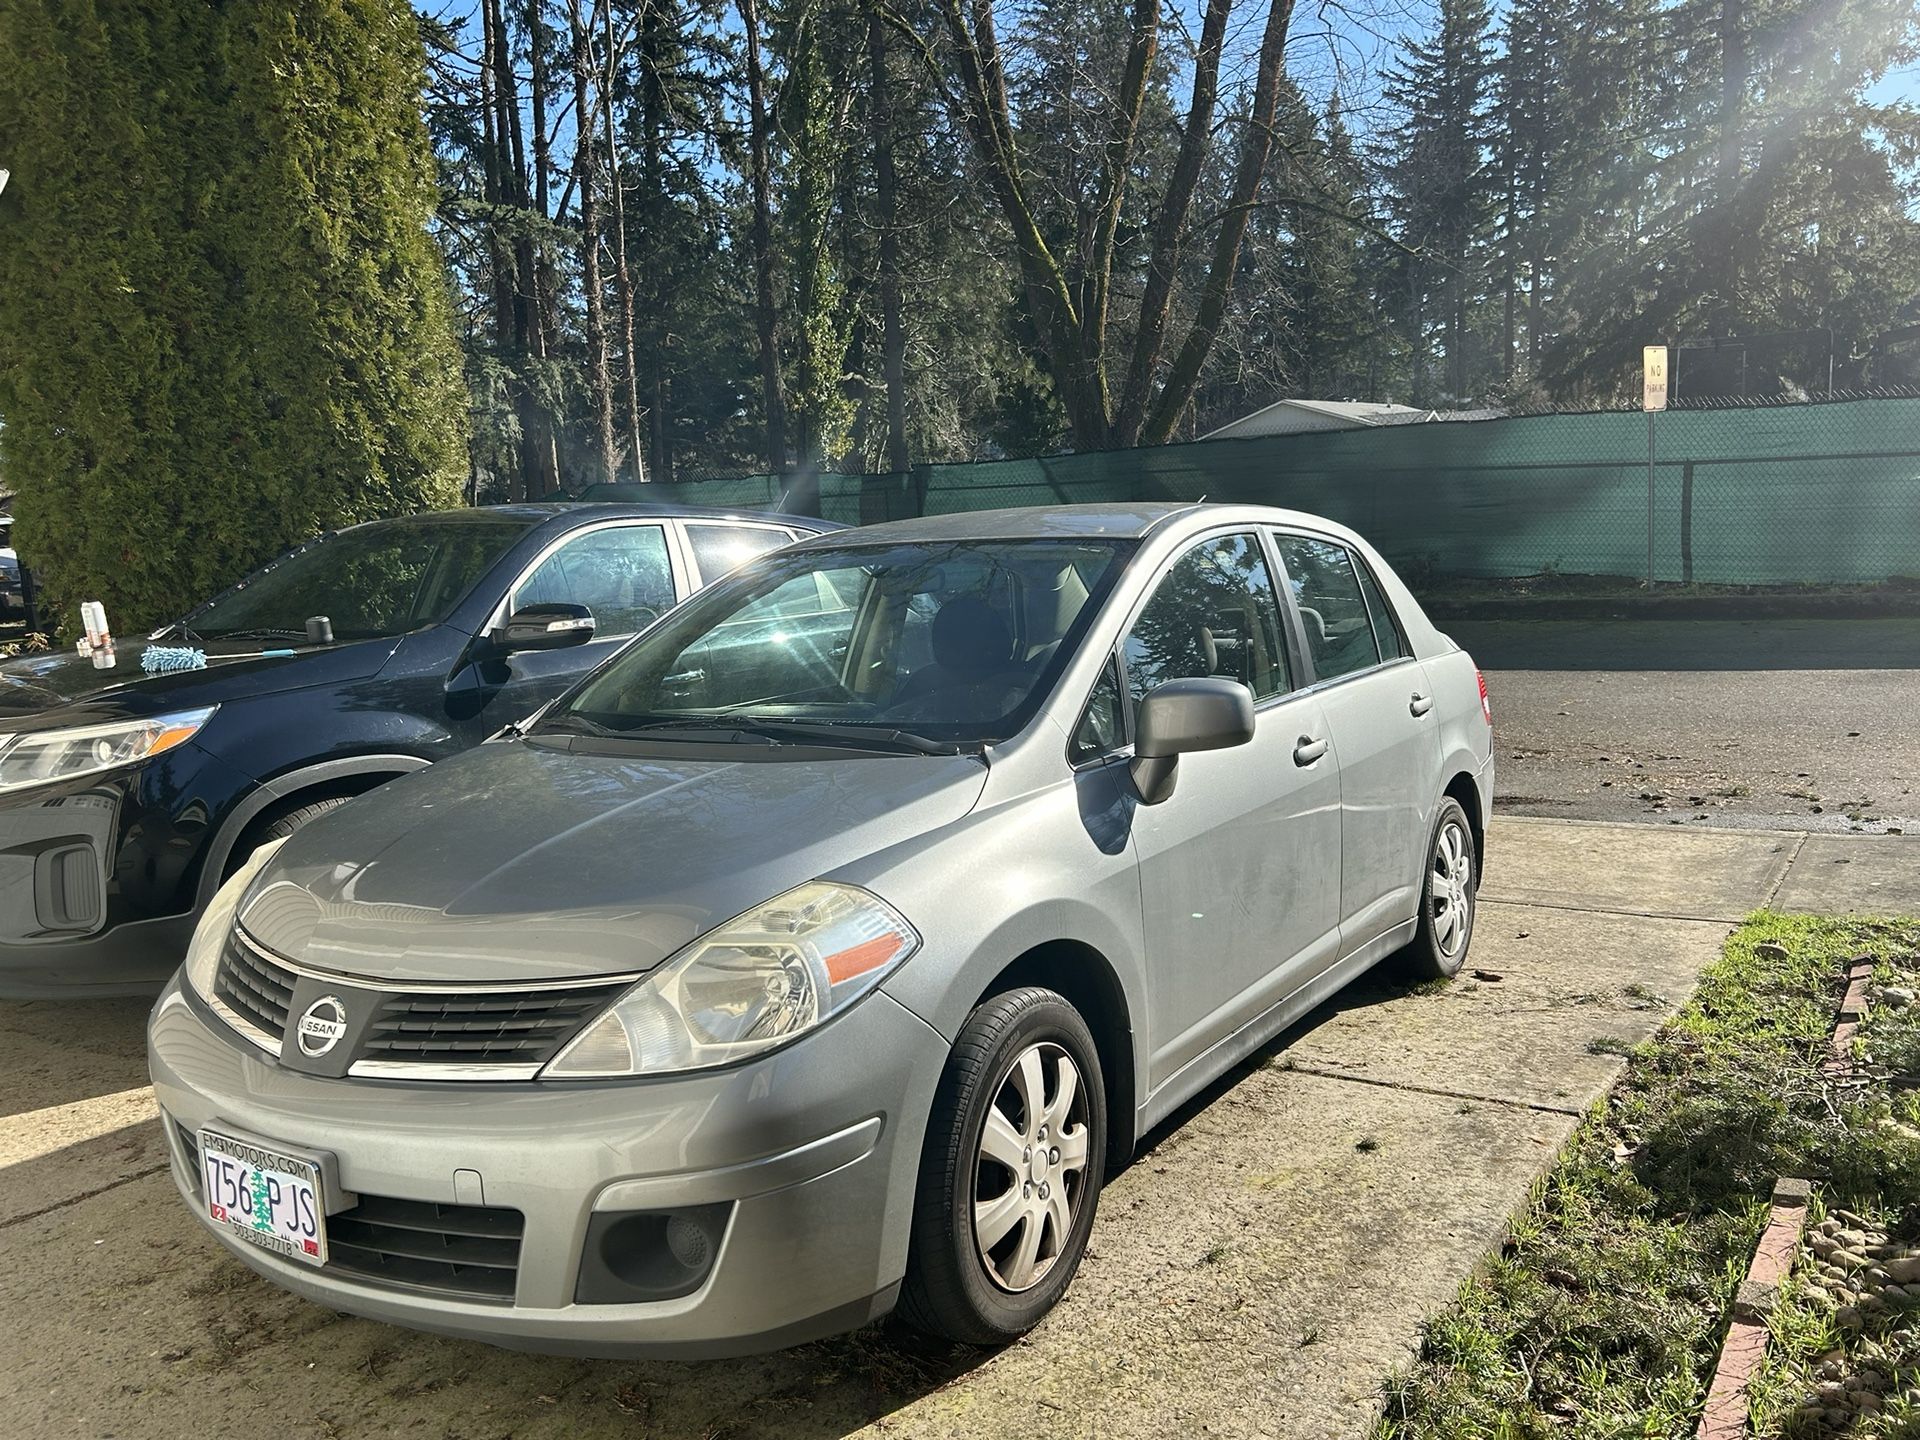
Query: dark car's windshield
[[957, 640], [385, 578]]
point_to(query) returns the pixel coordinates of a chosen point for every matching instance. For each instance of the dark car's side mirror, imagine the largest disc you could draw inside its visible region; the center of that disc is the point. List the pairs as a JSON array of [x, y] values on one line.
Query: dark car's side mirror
[[544, 627], [1204, 712]]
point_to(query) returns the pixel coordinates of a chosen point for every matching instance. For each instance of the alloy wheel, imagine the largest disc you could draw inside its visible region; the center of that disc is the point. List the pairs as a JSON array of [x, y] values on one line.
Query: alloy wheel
[[1451, 888], [1031, 1169]]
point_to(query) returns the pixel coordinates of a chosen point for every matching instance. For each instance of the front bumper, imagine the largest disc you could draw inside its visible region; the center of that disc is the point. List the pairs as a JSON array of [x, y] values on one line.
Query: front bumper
[[98, 875], [815, 1148]]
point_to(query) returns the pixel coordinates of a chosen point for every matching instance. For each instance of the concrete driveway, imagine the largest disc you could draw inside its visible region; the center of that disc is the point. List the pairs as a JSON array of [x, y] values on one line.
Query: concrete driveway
[[1257, 1271]]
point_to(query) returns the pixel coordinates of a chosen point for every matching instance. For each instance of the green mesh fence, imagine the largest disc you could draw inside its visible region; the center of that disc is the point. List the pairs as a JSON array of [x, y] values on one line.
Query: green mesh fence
[[1823, 494]]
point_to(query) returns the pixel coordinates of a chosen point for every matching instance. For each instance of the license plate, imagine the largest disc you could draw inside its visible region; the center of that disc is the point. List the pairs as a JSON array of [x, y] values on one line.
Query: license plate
[[265, 1197]]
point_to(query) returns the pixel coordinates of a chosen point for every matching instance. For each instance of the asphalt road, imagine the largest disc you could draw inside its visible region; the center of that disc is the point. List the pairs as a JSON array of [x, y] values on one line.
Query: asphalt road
[[1783, 724]]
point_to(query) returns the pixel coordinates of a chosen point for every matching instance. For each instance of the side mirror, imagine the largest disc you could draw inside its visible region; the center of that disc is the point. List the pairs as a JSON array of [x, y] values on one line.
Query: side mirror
[[544, 627], [1202, 713]]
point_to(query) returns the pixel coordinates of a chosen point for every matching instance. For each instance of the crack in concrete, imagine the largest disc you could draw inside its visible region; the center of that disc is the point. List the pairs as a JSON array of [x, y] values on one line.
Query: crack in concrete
[[14, 1220], [1539, 1106], [1780, 880], [1486, 899]]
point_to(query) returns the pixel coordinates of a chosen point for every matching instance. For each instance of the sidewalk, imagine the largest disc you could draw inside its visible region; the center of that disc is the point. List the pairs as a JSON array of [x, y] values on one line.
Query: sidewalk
[[1257, 1271]]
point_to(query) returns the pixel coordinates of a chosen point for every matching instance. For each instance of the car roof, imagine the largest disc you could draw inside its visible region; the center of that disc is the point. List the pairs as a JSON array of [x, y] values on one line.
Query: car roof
[[1072, 522], [1034, 522], [539, 512]]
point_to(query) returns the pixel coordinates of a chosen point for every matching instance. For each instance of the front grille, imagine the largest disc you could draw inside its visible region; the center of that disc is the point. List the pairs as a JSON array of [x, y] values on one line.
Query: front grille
[[525, 1027], [472, 1251], [257, 989], [516, 1031]]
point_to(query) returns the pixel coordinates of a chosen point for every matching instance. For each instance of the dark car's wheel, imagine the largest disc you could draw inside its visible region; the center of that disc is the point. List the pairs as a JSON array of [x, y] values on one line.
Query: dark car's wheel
[[278, 827], [1449, 893], [1010, 1173]]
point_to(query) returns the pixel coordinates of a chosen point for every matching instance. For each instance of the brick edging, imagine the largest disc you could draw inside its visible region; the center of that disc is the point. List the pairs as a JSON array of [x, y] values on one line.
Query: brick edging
[[1725, 1415], [1853, 1014]]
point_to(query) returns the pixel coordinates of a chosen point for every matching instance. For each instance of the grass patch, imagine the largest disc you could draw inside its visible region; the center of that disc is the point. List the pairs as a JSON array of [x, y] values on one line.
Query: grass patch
[[1603, 1314]]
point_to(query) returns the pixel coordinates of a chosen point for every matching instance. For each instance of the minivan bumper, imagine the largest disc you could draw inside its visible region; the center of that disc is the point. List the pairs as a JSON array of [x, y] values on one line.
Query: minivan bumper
[[813, 1152]]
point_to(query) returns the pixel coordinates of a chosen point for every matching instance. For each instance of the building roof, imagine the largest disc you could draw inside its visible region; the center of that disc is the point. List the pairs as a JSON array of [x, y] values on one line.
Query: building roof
[[1290, 415]]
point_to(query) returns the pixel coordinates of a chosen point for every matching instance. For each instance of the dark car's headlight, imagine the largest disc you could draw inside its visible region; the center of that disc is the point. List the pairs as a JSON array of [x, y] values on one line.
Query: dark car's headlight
[[37, 758], [757, 982]]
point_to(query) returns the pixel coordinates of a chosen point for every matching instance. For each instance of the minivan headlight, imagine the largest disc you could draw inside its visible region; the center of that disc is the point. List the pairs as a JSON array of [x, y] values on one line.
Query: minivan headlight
[[47, 755], [753, 984], [216, 923]]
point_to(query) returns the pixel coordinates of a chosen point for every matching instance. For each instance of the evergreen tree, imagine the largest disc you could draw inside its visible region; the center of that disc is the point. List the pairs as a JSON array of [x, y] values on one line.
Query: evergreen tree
[[1776, 195], [222, 323], [1441, 192]]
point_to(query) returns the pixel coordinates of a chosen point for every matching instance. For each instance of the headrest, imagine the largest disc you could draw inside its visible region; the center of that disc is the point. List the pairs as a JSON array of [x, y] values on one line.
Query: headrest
[[970, 639]]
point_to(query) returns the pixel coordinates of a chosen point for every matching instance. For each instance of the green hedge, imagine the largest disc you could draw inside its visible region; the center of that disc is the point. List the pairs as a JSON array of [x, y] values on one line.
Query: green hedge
[[223, 322]]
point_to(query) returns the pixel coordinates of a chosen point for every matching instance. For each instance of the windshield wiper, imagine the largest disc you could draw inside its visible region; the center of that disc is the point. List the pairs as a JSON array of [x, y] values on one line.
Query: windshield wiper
[[865, 735], [264, 632], [566, 724], [792, 732]]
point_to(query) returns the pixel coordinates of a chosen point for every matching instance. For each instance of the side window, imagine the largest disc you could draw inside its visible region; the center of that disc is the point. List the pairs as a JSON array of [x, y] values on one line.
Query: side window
[[621, 574], [1386, 632], [1214, 613], [1339, 630], [720, 548], [1103, 727]]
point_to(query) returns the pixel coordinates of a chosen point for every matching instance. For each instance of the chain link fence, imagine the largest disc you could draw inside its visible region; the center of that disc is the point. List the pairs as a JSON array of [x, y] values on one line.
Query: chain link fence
[[1813, 493]]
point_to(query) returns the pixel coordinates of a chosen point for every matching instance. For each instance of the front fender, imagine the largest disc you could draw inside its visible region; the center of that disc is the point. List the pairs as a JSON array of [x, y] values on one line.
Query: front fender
[[979, 908]]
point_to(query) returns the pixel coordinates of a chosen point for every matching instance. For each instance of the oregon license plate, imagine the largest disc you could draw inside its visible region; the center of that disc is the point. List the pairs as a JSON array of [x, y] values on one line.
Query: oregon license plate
[[266, 1197]]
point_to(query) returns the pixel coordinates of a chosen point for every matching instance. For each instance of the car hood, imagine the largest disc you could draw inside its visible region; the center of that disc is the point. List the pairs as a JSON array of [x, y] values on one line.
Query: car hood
[[525, 862], [59, 687]]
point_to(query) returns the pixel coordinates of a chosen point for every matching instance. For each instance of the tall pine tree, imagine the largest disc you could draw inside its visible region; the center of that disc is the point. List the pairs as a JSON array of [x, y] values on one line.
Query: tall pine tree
[[1441, 191]]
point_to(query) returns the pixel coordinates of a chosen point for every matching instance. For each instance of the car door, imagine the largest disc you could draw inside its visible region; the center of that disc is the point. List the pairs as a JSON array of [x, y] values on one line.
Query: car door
[[623, 572], [1379, 711], [1240, 867]]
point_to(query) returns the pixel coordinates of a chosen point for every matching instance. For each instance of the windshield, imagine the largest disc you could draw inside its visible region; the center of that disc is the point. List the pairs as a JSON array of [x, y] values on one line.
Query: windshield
[[385, 578], [959, 641]]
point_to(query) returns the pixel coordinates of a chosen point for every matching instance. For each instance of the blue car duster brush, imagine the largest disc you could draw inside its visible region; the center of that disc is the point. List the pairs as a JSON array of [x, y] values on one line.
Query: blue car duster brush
[[165, 659]]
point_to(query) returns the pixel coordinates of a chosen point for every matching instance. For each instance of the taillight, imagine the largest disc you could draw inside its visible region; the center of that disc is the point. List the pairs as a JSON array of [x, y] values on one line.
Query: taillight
[[1486, 705]]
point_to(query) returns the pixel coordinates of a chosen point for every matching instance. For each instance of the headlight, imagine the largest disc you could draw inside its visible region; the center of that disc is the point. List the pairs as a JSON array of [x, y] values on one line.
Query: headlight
[[210, 935], [753, 984], [85, 749]]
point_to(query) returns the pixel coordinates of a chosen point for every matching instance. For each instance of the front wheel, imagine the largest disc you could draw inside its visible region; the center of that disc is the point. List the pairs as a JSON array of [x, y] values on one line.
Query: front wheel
[[1011, 1171], [1449, 895]]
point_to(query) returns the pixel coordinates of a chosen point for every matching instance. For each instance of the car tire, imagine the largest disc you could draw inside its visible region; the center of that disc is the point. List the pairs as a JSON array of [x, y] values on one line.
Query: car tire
[[989, 1286], [1449, 898], [280, 826]]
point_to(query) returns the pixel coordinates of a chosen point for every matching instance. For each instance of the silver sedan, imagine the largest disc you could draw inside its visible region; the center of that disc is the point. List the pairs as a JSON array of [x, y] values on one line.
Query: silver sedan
[[820, 953]]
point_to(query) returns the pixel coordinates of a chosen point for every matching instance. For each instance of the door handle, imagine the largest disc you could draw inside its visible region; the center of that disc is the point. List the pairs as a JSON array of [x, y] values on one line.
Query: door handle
[[1420, 704], [684, 677], [1306, 750]]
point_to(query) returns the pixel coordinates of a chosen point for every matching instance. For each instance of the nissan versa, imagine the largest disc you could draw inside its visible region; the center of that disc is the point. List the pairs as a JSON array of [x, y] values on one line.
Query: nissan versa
[[126, 798], [819, 954]]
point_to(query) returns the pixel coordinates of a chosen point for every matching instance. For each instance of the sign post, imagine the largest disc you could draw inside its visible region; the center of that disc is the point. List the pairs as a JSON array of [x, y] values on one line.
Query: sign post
[[1653, 397]]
